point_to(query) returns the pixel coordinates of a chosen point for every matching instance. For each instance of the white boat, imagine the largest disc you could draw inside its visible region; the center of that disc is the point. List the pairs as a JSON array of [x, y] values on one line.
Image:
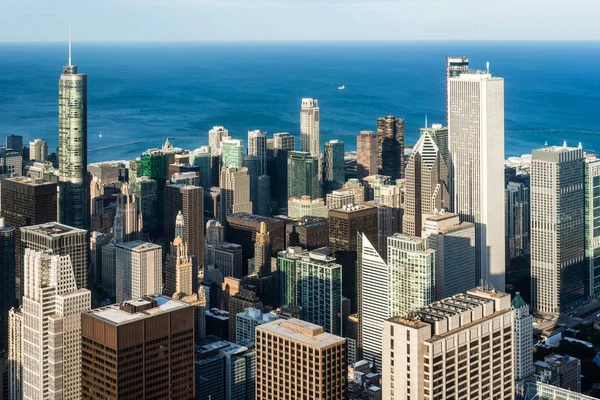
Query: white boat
[[100, 135], [341, 87]]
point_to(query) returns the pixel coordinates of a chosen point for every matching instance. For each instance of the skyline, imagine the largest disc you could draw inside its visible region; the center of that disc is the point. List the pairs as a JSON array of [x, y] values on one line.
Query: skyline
[[293, 20]]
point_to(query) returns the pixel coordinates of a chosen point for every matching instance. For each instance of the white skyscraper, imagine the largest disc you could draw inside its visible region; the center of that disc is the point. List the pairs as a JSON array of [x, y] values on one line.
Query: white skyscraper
[[50, 329], [284, 141], [476, 144], [139, 270], [235, 190], [257, 146], [215, 136], [38, 150], [310, 136], [522, 338]]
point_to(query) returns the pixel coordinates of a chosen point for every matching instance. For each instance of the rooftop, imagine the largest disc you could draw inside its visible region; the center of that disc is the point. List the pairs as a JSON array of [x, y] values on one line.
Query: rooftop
[[25, 180], [54, 229], [114, 315], [139, 245], [301, 331]]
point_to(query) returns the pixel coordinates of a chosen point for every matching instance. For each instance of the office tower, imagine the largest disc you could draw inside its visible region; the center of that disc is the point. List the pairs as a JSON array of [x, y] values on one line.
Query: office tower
[[439, 134], [179, 269], [312, 280], [412, 273], [389, 222], [309, 233], [476, 144], [225, 258], [390, 146], [284, 141], [465, 340], [8, 268], [15, 354], [24, 202], [263, 197], [516, 211], [246, 324], [74, 201], [236, 296], [11, 162], [454, 245], [139, 271], [51, 329], [232, 153], [561, 371], [557, 246], [146, 194], [132, 220], [390, 195], [119, 340], [426, 188], [310, 136], [454, 67], [305, 207], [280, 372], [262, 252], [355, 186], [592, 225], [225, 371], [366, 154], [339, 199], [215, 137], [243, 228], [189, 201], [303, 175], [257, 146], [344, 224], [109, 269], [38, 150], [97, 241], [253, 165], [215, 233], [14, 142], [235, 190], [372, 184], [201, 159], [62, 240], [279, 173], [523, 338], [373, 299], [334, 165]]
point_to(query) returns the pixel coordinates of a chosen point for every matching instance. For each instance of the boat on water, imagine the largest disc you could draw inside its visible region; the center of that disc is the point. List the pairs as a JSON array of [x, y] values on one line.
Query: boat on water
[[100, 135], [341, 87]]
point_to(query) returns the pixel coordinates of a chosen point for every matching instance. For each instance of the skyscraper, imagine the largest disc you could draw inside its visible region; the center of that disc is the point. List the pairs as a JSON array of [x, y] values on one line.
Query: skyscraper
[[454, 67], [215, 136], [246, 324], [517, 209], [253, 165], [303, 175], [15, 142], [476, 144], [257, 146], [38, 150], [439, 134], [8, 268], [523, 338], [305, 207], [557, 226], [74, 201], [592, 226], [189, 201], [231, 153], [284, 141], [366, 154], [235, 191], [278, 344], [263, 196], [262, 252], [51, 329], [310, 133], [426, 188], [390, 147], [140, 270], [334, 165]]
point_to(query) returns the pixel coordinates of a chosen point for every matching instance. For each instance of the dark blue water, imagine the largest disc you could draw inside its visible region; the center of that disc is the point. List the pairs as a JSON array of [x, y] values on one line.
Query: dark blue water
[[153, 91]]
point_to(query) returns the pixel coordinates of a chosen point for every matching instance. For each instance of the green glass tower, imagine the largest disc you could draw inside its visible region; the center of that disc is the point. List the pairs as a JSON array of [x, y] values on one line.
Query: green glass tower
[[334, 165], [303, 175], [232, 153]]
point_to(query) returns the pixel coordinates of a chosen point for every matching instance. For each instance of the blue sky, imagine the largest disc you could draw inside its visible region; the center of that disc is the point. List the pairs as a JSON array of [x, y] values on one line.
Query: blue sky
[[177, 20]]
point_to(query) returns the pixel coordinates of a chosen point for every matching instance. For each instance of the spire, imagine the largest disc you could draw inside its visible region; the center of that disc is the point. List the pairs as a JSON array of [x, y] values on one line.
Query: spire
[[179, 225], [70, 47], [580, 146]]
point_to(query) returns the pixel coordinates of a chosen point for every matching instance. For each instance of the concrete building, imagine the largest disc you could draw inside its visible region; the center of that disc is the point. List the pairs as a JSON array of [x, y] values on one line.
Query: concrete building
[[557, 245], [243, 227], [309, 233], [372, 184], [310, 133], [50, 329], [62, 240], [390, 146], [284, 141], [8, 268], [303, 175], [97, 241], [119, 340], [257, 146], [232, 153], [15, 354], [516, 211], [560, 371], [592, 226], [523, 338], [263, 196], [339, 199], [254, 166], [235, 190], [334, 165], [38, 150], [356, 187], [476, 145], [139, 270], [454, 67], [215, 137], [276, 364], [366, 154], [305, 207], [237, 296], [14, 142], [74, 201], [313, 282], [246, 323], [450, 348], [391, 196], [454, 245], [188, 201]]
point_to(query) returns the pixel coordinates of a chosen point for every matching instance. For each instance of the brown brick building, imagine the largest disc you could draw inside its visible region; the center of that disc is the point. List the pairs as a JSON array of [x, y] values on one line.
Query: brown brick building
[[140, 349]]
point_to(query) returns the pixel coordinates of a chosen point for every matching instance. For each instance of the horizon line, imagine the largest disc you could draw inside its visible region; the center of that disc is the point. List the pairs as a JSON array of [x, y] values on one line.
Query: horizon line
[[444, 40]]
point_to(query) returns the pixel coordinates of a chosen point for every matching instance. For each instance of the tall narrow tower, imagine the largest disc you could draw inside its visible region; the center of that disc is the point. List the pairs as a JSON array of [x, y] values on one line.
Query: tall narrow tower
[[310, 132], [72, 147]]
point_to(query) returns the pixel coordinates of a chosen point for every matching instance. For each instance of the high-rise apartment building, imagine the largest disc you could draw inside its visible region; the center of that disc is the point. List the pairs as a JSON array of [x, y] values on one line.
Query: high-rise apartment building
[[257, 146], [459, 347], [390, 147], [189, 201], [38, 150], [557, 228], [139, 271], [62, 240], [8, 268], [312, 281], [284, 141], [523, 338], [215, 136], [306, 207], [50, 328], [334, 165], [426, 188], [310, 133], [366, 154], [476, 145], [74, 201], [232, 151], [517, 209], [140, 349], [592, 226], [235, 190], [246, 324], [303, 175], [281, 373]]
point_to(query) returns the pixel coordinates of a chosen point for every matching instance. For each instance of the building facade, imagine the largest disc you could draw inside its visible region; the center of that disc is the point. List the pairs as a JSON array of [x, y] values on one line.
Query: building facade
[[334, 165], [310, 133], [366, 154], [592, 226], [523, 338], [303, 175], [390, 146], [139, 271]]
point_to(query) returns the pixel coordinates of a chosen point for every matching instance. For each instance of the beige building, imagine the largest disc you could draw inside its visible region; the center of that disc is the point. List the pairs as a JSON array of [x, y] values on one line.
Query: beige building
[[305, 207], [456, 348], [297, 360], [366, 154], [338, 199]]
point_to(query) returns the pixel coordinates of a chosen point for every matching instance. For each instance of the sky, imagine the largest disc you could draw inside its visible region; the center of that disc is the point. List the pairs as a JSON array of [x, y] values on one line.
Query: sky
[[236, 20]]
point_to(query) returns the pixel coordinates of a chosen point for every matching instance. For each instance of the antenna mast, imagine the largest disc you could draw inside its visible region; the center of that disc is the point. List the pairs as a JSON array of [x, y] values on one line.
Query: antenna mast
[[69, 46]]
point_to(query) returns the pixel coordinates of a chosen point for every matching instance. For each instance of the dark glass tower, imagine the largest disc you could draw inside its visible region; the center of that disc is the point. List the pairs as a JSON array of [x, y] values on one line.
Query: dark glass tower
[[7, 275]]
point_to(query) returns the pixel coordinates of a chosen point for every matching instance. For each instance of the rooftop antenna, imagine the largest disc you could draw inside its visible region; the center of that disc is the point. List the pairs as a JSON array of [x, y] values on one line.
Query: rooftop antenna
[[425, 120], [69, 46], [487, 67]]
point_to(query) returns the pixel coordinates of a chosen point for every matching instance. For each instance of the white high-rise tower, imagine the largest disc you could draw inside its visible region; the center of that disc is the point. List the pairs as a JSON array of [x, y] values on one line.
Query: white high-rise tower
[[476, 145], [310, 133], [523, 338], [257, 146]]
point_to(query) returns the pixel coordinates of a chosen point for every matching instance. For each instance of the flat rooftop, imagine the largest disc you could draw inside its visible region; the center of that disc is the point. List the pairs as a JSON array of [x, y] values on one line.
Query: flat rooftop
[[252, 217], [301, 331], [54, 229], [139, 245], [25, 180], [115, 316]]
